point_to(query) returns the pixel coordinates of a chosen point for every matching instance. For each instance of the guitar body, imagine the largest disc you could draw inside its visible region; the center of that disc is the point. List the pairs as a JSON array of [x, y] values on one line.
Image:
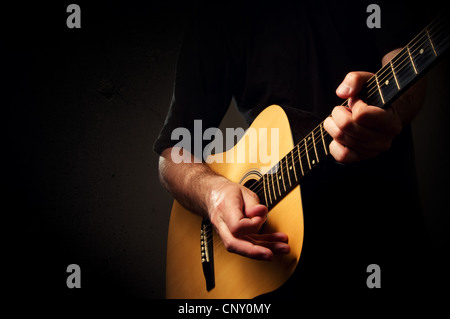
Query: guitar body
[[236, 276]]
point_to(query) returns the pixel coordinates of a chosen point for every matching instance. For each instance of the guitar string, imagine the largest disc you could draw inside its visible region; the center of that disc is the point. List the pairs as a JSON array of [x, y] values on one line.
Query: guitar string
[[219, 243], [400, 59], [439, 23], [216, 244], [387, 73], [374, 88], [310, 144], [414, 46], [318, 130]]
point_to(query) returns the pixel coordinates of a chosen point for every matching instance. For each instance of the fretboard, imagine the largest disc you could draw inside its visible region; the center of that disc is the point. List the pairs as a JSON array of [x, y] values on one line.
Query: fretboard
[[409, 64], [382, 88]]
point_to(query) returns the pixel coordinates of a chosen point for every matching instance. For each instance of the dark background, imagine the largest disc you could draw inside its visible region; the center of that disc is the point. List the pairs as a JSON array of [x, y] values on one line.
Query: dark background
[[83, 108]]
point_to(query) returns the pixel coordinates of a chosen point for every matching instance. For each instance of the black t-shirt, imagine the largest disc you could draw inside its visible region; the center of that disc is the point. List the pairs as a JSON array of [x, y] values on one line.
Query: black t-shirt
[[290, 53], [295, 54]]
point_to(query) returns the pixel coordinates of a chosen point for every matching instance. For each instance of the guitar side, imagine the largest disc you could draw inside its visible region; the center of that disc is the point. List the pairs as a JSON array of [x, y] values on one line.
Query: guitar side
[[237, 276]]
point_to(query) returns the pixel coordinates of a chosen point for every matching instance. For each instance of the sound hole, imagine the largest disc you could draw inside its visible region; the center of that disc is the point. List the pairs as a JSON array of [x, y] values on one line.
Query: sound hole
[[250, 183]]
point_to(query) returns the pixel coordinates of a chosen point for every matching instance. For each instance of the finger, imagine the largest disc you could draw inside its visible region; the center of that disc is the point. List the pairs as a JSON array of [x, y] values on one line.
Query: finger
[[340, 134], [256, 211], [352, 84], [348, 132], [257, 215], [239, 225], [273, 237], [389, 56], [343, 120], [342, 153], [253, 216], [370, 146], [277, 247], [241, 246], [345, 154], [277, 242], [231, 211], [252, 207], [375, 118]]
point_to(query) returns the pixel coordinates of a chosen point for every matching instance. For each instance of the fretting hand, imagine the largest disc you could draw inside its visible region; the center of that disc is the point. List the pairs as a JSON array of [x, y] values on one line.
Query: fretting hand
[[360, 131]]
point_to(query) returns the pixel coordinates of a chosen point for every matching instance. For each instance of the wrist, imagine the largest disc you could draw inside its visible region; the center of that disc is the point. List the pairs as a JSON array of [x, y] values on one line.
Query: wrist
[[214, 192]]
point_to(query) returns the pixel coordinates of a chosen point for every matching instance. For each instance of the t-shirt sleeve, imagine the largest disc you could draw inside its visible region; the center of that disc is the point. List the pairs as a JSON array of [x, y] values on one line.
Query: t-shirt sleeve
[[202, 89]]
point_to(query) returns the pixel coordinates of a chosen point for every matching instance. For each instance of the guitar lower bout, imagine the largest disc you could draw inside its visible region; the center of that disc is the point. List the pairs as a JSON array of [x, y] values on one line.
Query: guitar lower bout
[[200, 268]]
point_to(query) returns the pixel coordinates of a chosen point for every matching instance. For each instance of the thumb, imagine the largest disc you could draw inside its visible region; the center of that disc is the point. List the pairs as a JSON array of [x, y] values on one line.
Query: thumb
[[257, 210], [352, 84], [252, 207]]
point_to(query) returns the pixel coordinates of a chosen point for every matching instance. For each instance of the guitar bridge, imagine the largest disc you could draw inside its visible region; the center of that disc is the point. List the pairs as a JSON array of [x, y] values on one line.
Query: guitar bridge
[[207, 253]]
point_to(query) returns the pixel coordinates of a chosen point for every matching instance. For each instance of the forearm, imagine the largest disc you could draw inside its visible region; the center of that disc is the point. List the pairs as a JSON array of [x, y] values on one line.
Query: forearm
[[190, 183]]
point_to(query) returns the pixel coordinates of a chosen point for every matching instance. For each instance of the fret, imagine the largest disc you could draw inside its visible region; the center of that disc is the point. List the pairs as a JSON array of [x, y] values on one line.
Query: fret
[[403, 69], [379, 90], [323, 140], [393, 73], [288, 167], [311, 151], [393, 77], [422, 53], [277, 179], [387, 83], [300, 159], [440, 33], [258, 188], [273, 187], [431, 42], [282, 176], [293, 165], [264, 187], [314, 144], [307, 155], [372, 93], [412, 61], [269, 190]]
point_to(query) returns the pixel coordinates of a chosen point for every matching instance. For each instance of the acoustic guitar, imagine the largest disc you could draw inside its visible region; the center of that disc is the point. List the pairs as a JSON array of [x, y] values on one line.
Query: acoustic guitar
[[199, 266]]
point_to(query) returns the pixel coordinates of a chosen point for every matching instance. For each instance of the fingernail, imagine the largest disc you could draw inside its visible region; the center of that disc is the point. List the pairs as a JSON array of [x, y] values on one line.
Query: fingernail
[[267, 257], [343, 89]]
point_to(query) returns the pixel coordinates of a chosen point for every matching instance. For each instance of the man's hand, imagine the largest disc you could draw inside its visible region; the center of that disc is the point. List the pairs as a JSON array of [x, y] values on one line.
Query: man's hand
[[363, 131], [360, 131], [237, 215], [233, 209]]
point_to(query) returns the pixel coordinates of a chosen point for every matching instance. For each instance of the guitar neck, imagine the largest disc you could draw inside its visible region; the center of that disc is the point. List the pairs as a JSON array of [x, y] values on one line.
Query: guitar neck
[[414, 60]]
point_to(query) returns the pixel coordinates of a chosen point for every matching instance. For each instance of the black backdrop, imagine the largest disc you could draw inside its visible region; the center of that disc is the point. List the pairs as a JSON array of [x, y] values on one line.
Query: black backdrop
[[83, 107]]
